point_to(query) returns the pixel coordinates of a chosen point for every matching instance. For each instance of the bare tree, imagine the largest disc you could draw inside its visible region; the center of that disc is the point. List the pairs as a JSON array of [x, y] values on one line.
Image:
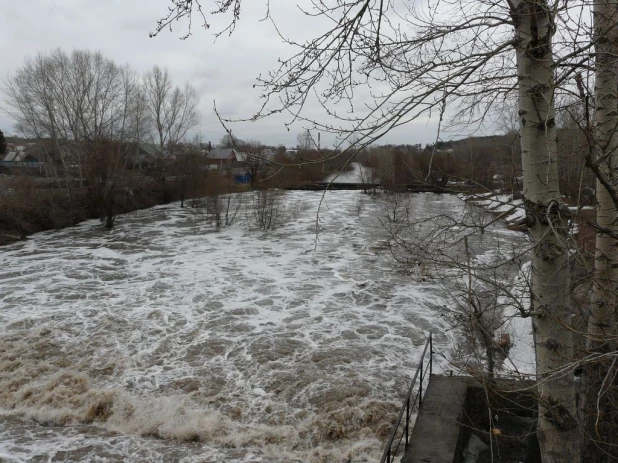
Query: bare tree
[[108, 178], [110, 154], [304, 141], [230, 141], [172, 111], [223, 208], [186, 170], [74, 104], [31, 101], [267, 208], [396, 206]]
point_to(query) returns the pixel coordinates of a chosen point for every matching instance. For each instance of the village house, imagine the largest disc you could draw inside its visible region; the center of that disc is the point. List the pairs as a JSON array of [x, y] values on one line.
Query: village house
[[21, 157], [225, 158]]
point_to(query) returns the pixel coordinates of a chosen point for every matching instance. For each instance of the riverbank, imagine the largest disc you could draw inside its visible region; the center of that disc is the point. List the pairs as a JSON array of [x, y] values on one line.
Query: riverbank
[[504, 206], [510, 208]]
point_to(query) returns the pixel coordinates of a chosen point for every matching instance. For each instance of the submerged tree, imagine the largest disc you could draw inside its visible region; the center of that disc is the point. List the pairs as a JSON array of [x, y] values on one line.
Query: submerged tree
[[108, 178], [420, 60]]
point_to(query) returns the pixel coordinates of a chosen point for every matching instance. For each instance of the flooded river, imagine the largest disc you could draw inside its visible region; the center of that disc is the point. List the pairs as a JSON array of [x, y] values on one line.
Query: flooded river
[[166, 339]]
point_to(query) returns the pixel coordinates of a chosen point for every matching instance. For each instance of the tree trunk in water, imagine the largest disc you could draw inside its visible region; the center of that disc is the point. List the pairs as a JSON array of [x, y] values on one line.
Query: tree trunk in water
[[548, 225], [599, 401], [109, 205], [109, 222]]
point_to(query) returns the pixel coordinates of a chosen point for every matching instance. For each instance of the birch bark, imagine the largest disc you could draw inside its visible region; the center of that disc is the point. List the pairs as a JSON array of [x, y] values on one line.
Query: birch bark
[[548, 224], [599, 406]]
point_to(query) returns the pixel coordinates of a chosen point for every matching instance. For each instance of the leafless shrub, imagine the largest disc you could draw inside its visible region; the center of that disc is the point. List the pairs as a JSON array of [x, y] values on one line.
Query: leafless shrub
[[396, 205], [223, 208], [267, 208]]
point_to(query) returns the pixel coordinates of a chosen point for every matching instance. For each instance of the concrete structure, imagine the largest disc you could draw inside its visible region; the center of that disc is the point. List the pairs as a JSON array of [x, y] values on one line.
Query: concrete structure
[[443, 427], [436, 432]]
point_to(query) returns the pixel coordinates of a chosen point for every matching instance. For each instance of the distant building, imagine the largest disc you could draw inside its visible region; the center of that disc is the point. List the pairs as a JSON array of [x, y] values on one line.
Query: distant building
[[225, 158], [10, 157], [20, 157], [153, 150], [146, 155]]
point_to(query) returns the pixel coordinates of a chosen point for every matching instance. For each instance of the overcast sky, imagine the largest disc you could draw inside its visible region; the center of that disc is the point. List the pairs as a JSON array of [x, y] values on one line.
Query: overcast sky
[[223, 70]]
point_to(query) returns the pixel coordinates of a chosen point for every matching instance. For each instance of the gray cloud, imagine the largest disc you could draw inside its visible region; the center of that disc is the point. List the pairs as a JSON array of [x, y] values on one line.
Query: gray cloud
[[224, 70]]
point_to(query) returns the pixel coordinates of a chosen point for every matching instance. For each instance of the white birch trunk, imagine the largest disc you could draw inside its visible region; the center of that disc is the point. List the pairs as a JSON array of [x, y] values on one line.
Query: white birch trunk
[[547, 221], [598, 407], [603, 312]]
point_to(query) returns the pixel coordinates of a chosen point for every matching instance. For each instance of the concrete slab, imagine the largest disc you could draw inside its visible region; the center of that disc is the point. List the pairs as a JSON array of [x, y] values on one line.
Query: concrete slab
[[437, 436], [440, 415]]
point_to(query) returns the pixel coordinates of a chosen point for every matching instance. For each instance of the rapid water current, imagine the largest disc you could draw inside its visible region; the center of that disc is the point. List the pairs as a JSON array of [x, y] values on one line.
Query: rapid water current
[[167, 340]]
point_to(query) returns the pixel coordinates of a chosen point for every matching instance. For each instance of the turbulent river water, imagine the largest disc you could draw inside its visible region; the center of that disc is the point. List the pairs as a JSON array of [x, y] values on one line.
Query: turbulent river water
[[168, 340]]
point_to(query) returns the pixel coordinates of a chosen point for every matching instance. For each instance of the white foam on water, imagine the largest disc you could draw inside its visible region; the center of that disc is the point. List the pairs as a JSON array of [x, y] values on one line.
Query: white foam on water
[[166, 339]]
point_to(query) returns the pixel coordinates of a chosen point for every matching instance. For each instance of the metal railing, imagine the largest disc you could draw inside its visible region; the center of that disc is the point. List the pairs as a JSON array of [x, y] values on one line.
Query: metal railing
[[409, 406]]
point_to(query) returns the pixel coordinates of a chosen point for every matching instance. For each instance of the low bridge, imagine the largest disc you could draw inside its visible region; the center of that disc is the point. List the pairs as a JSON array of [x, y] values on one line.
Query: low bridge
[[417, 187], [320, 186]]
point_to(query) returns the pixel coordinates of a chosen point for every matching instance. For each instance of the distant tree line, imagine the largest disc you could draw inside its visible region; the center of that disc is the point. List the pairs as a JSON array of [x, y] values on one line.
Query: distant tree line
[[479, 163]]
